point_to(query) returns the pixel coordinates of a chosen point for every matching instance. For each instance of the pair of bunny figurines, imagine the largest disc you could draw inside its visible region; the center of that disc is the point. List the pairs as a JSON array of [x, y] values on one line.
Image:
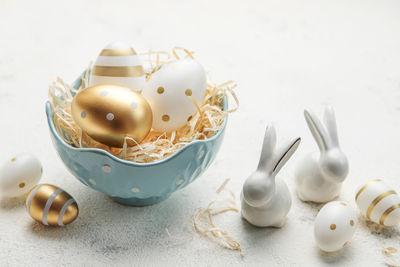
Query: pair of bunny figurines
[[319, 175]]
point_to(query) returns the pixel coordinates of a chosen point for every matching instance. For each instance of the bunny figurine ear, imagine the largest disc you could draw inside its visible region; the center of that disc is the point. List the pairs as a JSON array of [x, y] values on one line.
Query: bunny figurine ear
[[283, 154], [318, 130], [267, 152], [330, 123]]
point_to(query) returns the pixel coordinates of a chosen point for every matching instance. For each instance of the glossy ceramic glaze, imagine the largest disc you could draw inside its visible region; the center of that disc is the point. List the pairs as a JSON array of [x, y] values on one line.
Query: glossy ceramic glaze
[[265, 200], [136, 184], [320, 174]]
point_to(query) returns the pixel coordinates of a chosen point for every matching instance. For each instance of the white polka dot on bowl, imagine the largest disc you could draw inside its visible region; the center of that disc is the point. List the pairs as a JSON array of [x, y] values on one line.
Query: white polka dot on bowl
[[106, 168], [201, 154], [92, 181], [179, 182], [135, 190]]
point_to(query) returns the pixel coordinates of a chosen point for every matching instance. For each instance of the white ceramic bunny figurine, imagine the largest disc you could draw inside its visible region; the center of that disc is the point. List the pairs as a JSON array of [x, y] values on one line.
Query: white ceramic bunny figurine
[[319, 175], [266, 201]]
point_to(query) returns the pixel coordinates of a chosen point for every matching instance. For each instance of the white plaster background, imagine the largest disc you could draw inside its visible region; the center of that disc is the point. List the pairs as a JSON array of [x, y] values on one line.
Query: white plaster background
[[285, 55]]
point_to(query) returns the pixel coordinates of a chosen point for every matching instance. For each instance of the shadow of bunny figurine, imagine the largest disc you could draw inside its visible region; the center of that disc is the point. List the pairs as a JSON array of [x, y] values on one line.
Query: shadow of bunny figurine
[[265, 200]]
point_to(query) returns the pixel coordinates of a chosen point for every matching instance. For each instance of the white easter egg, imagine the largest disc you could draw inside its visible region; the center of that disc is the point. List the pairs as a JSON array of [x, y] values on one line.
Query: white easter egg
[[19, 174], [169, 93], [334, 226], [379, 202], [118, 64]]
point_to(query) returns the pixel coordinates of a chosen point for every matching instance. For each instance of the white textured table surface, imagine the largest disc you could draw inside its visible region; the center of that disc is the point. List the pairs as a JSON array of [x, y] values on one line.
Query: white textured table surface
[[285, 55]]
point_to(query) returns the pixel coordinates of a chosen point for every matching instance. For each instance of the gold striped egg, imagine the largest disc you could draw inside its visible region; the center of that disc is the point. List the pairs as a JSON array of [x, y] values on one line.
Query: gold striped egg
[[50, 205], [379, 202], [118, 64], [109, 113]]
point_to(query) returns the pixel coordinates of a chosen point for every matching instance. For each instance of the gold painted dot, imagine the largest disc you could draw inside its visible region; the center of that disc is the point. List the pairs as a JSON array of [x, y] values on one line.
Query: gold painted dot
[[160, 90], [345, 244], [13, 159], [343, 204], [175, 67], [333, 226], [189, 118], [165, 118], [188, 92], [21, 185], [351, 222]]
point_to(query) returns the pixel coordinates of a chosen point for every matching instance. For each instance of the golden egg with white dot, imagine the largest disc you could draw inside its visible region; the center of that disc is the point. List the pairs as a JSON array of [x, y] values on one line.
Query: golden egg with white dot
[[171, 92], [110, 113], [334, 226], [50, 205], [118, 64]]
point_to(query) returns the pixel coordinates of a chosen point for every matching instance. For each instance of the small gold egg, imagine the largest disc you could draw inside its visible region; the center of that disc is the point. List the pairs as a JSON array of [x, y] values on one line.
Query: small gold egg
[[109, 113], [50, 205]]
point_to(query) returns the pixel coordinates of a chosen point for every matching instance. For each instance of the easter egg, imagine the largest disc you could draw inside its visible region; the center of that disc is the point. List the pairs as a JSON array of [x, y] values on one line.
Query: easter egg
[[118, 64], [50, 205], [379, 203], [109, 113], [170, 90], [19, 174], [334, 226]]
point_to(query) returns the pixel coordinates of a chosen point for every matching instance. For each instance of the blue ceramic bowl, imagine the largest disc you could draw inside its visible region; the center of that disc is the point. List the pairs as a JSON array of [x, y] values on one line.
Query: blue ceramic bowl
[[136, 184]]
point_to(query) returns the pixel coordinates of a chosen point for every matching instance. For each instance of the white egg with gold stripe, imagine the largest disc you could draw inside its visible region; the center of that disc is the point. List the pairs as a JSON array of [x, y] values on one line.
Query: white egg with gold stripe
[[50, 205], [379, 202], [118, 64]]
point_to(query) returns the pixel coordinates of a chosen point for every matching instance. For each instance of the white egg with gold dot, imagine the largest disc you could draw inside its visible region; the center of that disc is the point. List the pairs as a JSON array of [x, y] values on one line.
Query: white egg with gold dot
[[19, 174], [118, 64], [334, 226], [171, 90]]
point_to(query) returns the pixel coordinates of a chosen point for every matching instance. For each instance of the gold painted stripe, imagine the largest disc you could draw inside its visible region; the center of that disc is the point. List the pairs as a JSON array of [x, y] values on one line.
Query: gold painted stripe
[[365, 186], [377, 200], [387, 212], [118, 71], [118, 52]]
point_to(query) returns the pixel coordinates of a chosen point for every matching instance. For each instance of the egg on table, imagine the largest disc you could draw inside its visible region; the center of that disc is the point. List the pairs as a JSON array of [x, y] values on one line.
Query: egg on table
[[334, 226], [379, 203], [19, 174], [50, 205], [118, 64], [170, 91], [109, 113]]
